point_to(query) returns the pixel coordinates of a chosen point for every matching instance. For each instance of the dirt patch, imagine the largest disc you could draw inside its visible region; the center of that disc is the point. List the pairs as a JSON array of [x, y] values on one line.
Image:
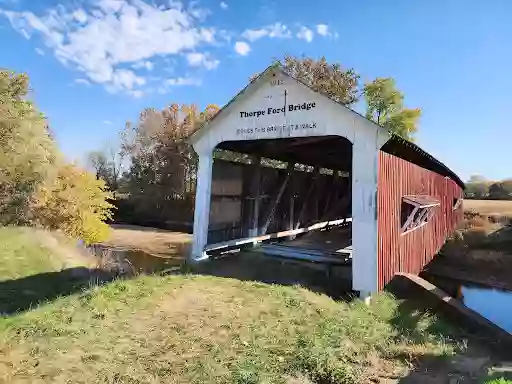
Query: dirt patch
[[150, 240]]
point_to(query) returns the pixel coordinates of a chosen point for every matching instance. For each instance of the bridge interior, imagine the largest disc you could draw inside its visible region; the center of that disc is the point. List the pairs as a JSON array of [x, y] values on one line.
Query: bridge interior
[[293, 196]]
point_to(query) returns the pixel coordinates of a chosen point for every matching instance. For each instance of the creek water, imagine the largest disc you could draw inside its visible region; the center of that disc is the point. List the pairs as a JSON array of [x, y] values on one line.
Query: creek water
[[494, 304], [133, 261]]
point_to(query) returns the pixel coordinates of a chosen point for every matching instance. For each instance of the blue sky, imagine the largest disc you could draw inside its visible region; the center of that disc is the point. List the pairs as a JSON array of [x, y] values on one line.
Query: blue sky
[[95, 64]]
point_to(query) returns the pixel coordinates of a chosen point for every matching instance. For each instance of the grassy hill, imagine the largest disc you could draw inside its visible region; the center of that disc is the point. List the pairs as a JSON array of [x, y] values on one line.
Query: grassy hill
[[203, 329]]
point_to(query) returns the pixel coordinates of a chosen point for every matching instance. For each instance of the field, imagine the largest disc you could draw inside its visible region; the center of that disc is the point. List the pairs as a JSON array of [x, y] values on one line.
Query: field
[[489, 207], [204, 329], [480, 251]]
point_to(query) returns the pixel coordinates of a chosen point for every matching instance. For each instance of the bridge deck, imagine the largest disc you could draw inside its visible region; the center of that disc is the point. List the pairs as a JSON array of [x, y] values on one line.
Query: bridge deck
[[326, 246]]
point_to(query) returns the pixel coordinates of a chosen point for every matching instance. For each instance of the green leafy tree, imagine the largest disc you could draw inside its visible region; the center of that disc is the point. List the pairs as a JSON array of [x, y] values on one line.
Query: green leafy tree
[[384, 105], [27, 153], [36, 186], [404, 123]]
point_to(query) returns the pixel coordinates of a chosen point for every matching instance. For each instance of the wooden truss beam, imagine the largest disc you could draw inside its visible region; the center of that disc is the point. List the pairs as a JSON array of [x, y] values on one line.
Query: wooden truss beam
[[305, 199], [267, 218]]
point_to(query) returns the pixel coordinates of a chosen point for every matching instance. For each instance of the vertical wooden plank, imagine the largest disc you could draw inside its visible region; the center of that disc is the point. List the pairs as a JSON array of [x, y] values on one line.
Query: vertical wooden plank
[[411, 252], [255, 195]]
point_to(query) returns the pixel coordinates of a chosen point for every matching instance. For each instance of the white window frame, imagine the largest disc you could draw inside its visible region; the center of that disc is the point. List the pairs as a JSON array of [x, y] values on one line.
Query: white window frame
[[458, 203], [425, 205]]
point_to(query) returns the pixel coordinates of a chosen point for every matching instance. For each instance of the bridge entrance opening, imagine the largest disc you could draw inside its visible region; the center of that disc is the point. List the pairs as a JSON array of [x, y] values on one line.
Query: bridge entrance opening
[[292, 197]]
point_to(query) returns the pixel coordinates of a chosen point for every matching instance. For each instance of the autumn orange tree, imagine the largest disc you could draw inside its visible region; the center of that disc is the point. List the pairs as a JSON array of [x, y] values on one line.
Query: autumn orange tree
[[161, 179]]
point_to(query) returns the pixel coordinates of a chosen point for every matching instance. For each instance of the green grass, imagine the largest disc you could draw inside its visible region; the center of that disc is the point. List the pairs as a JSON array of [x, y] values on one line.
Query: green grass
[[25, 252], [22, 255], [206, 329], [500, 380], [203, 329]]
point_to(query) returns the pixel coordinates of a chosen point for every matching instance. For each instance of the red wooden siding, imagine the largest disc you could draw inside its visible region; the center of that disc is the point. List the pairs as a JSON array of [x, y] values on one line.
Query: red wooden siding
[[410, 252]]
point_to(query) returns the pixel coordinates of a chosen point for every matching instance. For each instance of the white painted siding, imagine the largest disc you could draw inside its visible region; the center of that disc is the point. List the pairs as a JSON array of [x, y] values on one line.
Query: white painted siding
[[325, 118]]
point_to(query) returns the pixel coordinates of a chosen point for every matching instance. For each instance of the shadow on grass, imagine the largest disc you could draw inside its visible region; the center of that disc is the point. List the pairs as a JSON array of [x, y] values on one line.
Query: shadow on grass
[[254, 266], [22, 294], [474, 352], [408, 317]]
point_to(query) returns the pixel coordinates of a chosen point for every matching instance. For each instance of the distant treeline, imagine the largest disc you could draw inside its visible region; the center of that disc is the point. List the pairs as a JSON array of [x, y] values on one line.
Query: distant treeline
[[479, 188]]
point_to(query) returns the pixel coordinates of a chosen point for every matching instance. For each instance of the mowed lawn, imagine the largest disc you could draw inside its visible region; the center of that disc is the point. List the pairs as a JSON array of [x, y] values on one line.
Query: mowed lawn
[[489, 207], [201, 329]]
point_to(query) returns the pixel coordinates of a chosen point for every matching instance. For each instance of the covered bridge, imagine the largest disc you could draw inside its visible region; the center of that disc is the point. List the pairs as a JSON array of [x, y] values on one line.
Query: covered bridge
[[319, 182]]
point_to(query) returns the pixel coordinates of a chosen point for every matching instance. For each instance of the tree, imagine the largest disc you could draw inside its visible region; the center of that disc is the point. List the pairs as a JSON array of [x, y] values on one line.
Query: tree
[[382, 99], [74, 202], [476, 190], [477, 179], [163, 164], [27, 153], [107, 165], [36, 186], [384, 105], [404, 123], [501, 190], [330, 79]]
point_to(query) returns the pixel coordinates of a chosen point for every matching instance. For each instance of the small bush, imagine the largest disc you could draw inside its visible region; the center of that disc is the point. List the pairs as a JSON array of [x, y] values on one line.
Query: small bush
[[76, 203]]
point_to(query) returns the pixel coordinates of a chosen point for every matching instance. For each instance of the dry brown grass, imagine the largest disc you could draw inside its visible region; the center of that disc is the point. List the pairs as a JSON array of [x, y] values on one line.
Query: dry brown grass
[[150, 240], [480, 250], [489, 207], [185, 329]]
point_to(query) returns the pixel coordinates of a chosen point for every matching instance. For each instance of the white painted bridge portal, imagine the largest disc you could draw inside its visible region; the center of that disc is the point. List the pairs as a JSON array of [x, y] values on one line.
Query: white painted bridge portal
[[275, 107]]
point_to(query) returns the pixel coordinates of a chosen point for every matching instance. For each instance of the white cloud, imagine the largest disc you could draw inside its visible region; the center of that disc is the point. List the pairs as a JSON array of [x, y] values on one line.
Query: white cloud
[[197, 59], [39, 51], [322, 29], [107, 122], [242, 48], [305, 34], [148, 65], [182, 81], [126, 79], [82, 81], [223, 5], [80, 16], [276, 30], [111, 5], [137, 94], [103, 39], [177, 82]]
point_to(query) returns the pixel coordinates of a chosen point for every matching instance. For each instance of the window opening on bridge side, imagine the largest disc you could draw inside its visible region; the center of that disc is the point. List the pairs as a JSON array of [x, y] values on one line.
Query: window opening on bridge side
[[416, 211]]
